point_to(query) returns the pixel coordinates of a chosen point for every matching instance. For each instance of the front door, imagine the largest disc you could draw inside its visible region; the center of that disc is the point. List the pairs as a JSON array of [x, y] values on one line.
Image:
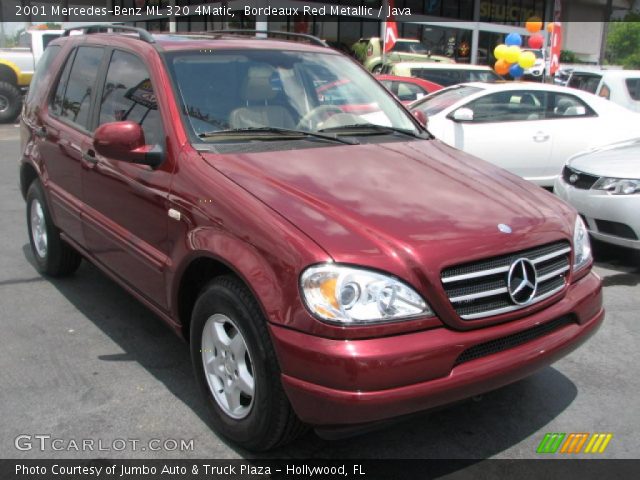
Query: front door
[[125, 213]]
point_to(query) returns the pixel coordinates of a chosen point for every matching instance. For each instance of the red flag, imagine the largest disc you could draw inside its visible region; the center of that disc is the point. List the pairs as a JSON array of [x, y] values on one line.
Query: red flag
[[390, 35], [556, 38], [556, 47]]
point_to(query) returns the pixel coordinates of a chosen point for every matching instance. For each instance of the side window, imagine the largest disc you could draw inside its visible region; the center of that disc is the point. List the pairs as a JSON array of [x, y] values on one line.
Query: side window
[[58, 99], [444, 77], [509, 106], [129, 95], [75, 103], [587, 82], [633, 86], [409, 91], [564, 105], [44, 64]]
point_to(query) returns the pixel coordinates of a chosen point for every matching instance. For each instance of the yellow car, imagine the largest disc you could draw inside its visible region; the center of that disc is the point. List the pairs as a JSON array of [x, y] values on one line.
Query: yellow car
[[369, 52]]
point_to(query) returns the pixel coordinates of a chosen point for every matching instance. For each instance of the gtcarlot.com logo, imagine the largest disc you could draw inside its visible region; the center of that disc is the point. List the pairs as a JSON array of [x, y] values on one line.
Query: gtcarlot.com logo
[[574, 443], [46, 442]]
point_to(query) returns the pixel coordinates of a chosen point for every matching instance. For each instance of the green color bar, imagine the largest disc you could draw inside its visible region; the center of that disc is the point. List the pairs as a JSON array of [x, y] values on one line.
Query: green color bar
[[550, 443], [558, 441]]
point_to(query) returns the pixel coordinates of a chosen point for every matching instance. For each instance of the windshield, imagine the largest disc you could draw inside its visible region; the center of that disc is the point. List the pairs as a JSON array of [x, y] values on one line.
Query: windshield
[[439, 101], [453, 76], [411, 47], [279, 92]]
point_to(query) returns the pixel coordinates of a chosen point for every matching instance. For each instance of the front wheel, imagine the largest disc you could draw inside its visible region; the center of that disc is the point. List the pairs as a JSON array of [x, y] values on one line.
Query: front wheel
[[237, 370], [377, 69]]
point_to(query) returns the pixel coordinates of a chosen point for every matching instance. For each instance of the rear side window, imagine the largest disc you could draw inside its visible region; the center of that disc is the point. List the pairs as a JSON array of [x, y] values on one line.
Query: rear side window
[[43, 67], [633, 85], [129, 95], [72, 101], [588, 83]]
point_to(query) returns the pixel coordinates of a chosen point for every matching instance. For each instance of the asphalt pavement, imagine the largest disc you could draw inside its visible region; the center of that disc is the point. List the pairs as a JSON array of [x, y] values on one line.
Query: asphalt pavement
[[82, 360]]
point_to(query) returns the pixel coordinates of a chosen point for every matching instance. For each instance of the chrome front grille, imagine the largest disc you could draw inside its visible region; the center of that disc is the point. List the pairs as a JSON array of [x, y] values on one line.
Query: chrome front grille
[[480, 289]]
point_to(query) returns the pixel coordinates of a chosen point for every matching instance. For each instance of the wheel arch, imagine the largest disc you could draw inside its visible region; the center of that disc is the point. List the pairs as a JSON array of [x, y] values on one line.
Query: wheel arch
[[9, 73], [203, 265], [28, 174]]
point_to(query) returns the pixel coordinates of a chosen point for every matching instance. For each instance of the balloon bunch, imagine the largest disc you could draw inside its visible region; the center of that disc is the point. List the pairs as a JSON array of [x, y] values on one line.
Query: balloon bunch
[[511, 58]]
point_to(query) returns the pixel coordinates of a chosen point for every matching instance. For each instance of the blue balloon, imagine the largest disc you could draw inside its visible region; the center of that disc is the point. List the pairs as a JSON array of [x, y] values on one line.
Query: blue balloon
[[513, 39], [516, 71]]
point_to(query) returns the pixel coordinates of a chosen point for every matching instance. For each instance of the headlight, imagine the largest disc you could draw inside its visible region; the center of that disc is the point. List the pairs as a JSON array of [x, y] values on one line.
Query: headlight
[[617, 186], [347, 295], [581, 245]]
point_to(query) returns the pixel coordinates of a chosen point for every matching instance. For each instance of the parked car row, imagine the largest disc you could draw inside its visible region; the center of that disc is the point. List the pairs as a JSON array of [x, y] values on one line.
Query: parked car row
[[530, 129]]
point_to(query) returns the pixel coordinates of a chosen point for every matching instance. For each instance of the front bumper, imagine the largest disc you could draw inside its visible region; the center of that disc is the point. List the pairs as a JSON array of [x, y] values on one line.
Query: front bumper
[[599, 205], [343, 382]]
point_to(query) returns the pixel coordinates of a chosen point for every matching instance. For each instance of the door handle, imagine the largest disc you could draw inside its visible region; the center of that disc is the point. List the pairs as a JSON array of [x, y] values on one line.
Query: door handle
[[90, 157], [541, 137]]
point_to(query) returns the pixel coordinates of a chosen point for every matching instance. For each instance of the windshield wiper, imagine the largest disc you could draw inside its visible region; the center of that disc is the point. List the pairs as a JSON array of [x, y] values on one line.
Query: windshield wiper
[[284, 132], [373, 129]]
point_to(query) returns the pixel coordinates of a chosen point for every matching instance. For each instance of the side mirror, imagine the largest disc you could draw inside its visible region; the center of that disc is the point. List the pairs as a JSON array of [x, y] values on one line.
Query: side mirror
[[421, 117], [463, 115], [124, 141]]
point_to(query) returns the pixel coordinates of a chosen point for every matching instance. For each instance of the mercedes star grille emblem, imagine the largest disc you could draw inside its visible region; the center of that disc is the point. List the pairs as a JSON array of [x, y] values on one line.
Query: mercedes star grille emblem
[[522, 281], [573, 178]]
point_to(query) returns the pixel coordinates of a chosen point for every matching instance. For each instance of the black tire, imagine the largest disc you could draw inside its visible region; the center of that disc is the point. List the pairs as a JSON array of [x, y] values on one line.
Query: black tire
[[10, 102], [58, 259], [270, 421], [377, 69]]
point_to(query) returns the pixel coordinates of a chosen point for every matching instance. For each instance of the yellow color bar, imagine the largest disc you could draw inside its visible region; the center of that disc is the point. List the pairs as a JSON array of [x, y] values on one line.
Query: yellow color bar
[[605, 443], [598, 443]]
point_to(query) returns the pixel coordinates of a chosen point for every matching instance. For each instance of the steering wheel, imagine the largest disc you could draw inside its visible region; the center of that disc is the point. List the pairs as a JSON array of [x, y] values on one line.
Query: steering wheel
[[315, 117]]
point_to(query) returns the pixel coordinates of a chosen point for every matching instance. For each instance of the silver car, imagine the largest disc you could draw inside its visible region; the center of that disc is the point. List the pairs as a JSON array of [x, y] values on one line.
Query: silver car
[[603, 184]]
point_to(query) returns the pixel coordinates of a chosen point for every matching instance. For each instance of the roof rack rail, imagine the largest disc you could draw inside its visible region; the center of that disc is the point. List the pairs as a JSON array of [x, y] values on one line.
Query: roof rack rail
[[312, 39], [110, 28]]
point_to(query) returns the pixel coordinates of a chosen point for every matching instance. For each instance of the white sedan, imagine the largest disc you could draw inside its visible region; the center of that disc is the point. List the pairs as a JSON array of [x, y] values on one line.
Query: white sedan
[[604, 186], [527, 128]]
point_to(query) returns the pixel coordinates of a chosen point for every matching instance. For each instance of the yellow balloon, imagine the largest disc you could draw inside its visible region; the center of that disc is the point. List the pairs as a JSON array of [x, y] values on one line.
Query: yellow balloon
[[512, 54], [527, 60], [500, 51]]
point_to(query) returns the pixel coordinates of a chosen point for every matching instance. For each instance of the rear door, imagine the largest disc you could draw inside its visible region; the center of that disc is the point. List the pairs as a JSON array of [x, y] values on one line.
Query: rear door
[[64, 131], [126, 206]]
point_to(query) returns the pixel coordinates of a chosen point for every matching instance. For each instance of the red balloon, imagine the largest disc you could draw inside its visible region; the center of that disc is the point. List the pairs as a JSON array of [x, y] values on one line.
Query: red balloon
[[536, 41]]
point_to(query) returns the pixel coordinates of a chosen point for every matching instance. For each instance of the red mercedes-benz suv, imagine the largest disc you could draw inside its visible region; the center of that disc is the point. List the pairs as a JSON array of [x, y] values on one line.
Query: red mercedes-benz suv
[[329, 266]]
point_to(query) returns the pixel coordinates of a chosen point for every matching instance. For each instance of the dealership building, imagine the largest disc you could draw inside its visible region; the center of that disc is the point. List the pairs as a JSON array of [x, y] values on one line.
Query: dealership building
[[465, 30]]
